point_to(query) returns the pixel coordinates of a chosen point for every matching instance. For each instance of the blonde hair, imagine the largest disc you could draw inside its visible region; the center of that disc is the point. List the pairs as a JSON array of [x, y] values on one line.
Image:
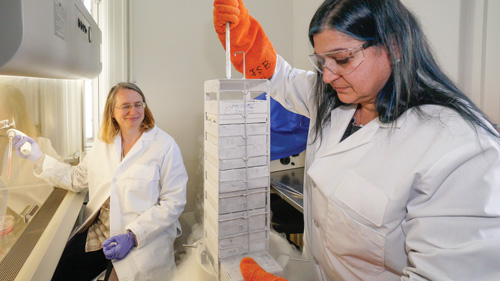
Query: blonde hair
[[13, 101], [109, 128]]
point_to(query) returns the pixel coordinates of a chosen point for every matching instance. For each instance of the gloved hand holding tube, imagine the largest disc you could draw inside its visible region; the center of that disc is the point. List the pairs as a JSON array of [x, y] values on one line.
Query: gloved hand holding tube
[[118, 246], [35, 153], [247, 35]]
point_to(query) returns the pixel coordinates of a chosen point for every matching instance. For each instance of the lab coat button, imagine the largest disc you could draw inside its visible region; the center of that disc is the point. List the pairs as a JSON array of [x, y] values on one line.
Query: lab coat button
[[315, 260], [316, 223]]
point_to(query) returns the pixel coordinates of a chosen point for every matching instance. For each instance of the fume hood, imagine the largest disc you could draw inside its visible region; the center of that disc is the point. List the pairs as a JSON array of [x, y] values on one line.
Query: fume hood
[[41, 39], [49, 39]]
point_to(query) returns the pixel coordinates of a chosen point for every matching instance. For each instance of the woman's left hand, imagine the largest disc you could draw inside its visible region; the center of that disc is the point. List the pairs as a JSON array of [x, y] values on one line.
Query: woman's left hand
[[118, 246]]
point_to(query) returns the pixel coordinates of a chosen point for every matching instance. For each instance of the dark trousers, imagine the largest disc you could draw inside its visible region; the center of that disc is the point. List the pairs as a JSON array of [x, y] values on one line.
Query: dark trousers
[[77, 265]]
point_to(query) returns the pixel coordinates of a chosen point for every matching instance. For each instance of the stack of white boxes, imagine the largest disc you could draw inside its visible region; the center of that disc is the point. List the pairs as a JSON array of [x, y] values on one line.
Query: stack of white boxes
[[236, 176]]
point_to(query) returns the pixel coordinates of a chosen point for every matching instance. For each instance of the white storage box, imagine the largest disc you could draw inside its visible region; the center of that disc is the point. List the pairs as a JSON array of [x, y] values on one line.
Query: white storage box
[[212, 135], [237, 174], [237, 179], [232, 141], [235, 223], [224, 158], [236, 152], [237, 201], [235, 245], [235, 111], [230, 268], [235, 163], [242, 130]]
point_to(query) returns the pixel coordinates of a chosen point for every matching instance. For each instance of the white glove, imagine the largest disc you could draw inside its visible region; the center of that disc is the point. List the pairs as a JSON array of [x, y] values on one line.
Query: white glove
[[35, 153]]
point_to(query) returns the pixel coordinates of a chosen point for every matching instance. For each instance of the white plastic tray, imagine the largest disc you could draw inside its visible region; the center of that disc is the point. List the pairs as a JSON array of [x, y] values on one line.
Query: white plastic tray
[[237, 174], [235, 163], [236, 157], [232, 141], [237, 222], [251, 150], [231, 130], [234, 111], [237, 179], [237, 244], [237, 201]]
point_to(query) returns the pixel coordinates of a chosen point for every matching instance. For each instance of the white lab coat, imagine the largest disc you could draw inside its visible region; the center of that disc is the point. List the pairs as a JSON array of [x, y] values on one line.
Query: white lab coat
[[414, 201], [147, 191]]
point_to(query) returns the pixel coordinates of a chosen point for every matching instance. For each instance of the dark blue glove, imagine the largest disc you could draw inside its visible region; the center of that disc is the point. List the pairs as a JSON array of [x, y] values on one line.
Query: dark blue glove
[[118, 246]]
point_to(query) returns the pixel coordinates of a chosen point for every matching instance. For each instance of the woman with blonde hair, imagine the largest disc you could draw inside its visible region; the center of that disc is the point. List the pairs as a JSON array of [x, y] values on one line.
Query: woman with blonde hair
[[137, 190]]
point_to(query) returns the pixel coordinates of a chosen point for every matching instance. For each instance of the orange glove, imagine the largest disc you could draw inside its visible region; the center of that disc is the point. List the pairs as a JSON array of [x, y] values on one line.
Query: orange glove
[[251, 271], [247, 36]]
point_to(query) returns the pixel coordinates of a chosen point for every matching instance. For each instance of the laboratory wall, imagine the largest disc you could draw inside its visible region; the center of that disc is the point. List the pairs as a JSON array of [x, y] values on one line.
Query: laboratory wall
[[169, 48], [465, 39], [303, 11], [174, 50]]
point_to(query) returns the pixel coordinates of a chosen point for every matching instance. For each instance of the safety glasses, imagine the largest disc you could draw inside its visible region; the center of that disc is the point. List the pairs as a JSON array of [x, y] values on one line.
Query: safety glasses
[[341, 62]]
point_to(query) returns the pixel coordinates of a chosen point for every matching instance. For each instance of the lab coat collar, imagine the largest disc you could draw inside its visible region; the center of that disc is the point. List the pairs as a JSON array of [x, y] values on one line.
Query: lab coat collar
[[149, 135], [340, 119], [146, 136]]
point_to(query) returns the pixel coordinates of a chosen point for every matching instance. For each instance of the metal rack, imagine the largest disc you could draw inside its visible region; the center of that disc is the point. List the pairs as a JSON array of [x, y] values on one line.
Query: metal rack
[[237, 176]]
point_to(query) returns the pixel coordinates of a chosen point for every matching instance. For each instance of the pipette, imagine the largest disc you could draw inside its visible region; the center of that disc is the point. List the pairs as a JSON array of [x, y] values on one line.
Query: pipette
[[9, 161], [25, 148]]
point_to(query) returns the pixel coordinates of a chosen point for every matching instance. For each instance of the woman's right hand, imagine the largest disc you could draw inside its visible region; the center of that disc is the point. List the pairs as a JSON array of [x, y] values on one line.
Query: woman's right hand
[[35, 152], [247, 35], [226, 11]]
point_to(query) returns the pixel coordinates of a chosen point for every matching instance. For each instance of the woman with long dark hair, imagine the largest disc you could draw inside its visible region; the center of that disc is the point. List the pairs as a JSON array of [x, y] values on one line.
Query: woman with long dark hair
[[402, 169]]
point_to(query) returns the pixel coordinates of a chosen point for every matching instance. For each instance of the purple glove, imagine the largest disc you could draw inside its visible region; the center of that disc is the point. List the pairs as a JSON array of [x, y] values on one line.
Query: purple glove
[[35, 153], [118, 246]]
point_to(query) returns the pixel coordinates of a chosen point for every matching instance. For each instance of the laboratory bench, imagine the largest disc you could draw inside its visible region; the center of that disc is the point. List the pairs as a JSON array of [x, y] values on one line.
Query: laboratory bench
[[289, 185], [32, 248], [287, 204]]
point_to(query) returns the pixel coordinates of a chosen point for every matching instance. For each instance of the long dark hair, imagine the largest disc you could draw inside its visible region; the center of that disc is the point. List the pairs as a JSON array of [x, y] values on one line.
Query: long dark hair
[[416, 78]]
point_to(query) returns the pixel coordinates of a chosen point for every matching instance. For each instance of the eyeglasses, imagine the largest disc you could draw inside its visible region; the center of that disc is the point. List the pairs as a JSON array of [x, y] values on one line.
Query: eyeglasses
[[128, 106], [341, 62]]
